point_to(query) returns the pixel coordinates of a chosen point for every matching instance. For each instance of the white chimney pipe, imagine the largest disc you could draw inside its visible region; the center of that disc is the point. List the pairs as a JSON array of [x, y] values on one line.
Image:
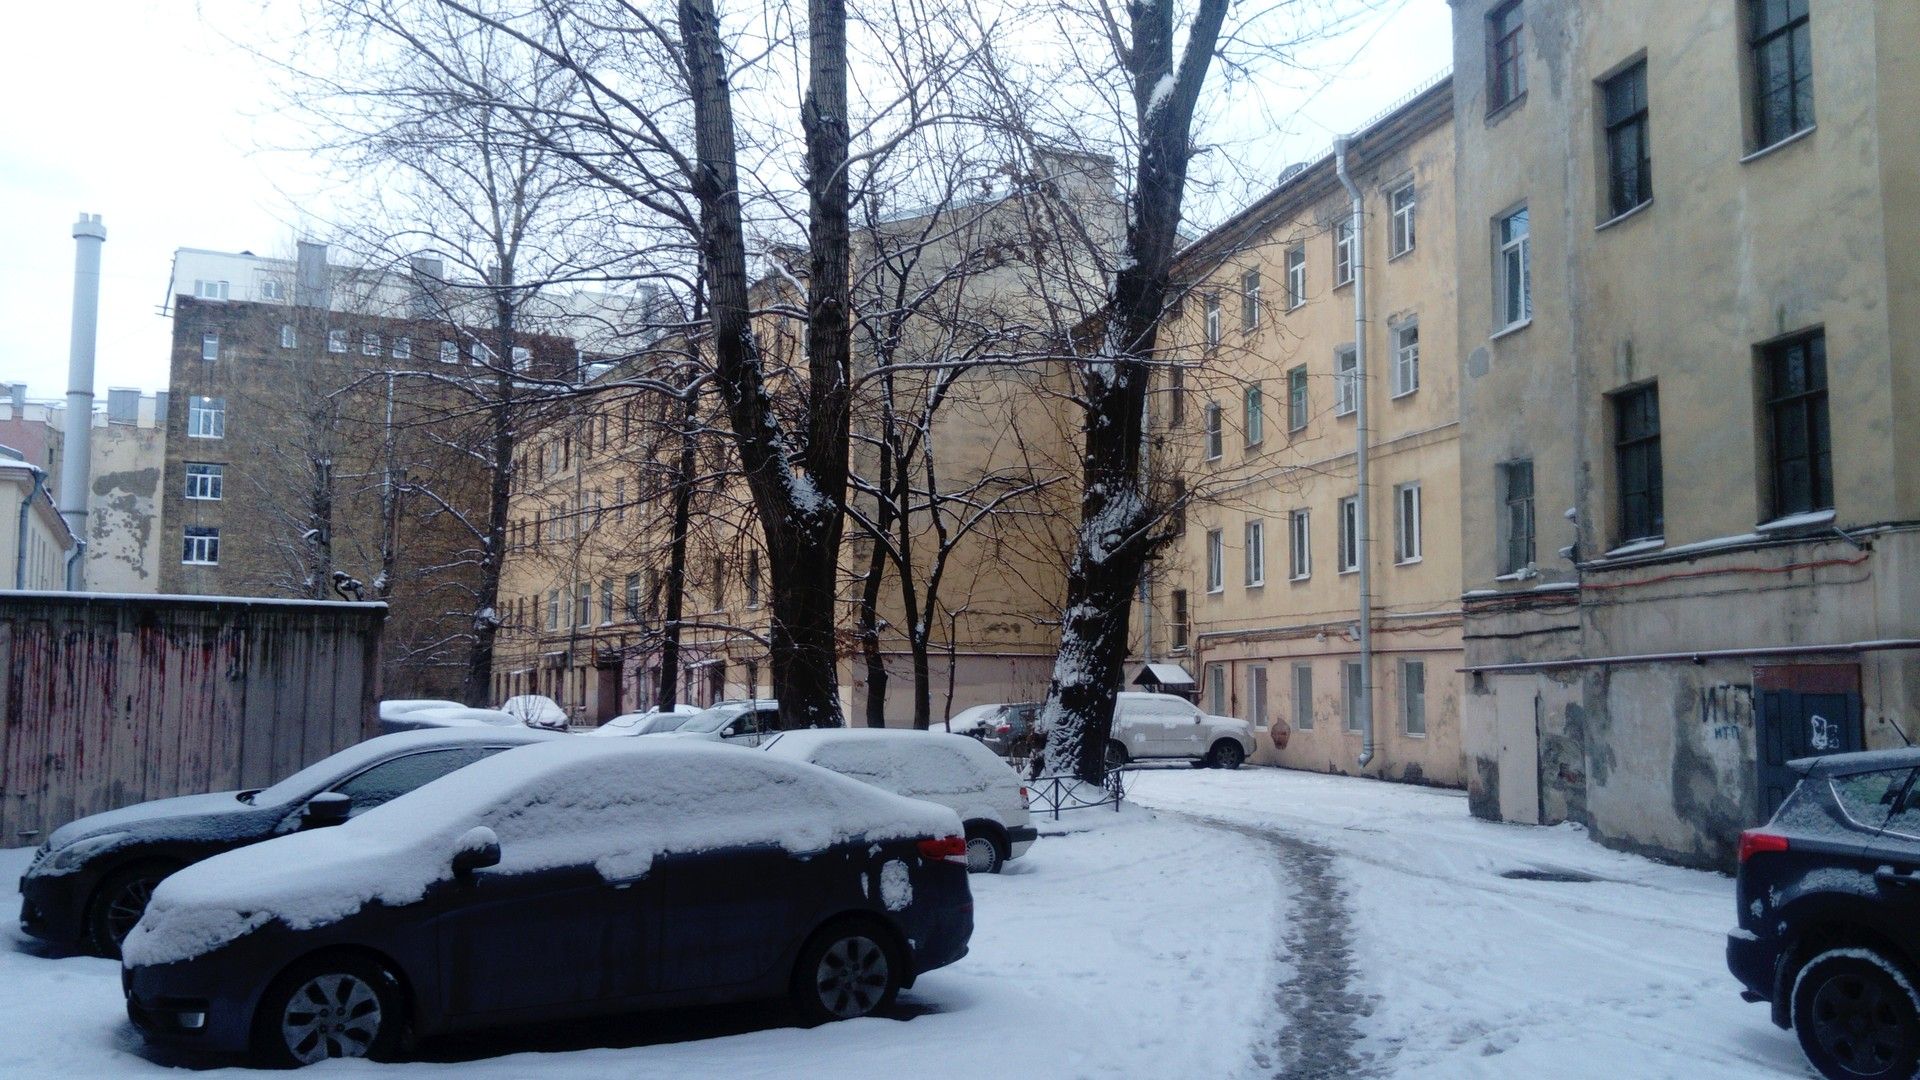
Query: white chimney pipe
[[76, 454]]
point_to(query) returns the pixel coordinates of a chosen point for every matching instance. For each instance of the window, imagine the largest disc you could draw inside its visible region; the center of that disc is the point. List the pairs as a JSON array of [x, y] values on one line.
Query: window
[[522, 358], [1506, 64], [1178, 632], [369, 344], [396, 776], [719, 582], [753, 579], [481, 355], [1780, 40], [1636, 461], [1176, 395], [336, 341], [1406, 359], [1511, 270], [606, 601], [1296, 277], [1177, 506], [582, 605], [1629, 168], [1303, 697], [1516, 520], [273, 289], [1402, 209], [554, 605], [1213, 431], [1406, 523], [1255, 418], [1346, 381], [202, 546], [1217, 688], [1802, 446], [1349, 534], [204, 481], [619, 499], [210, 290], [206, 418], [1867, 798], [210, 346], [1413, 697], [1211, 320], [449, 353], [1257, 696], [403, 348], [1297, 398], [1216, 561], [1343, 251], [1256, 553], [288, 339], [1249, 300], [1354, 689], [1299, 545]]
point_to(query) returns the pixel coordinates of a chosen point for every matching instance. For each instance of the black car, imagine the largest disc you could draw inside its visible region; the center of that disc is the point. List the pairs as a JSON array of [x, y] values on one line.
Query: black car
[[562, 880], [1829, 910], [88, 884]]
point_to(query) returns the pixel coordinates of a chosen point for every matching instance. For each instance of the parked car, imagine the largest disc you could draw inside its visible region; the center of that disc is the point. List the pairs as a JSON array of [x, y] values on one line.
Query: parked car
[[743, 723], [1162, 726], [951, 770], [537, 711], [650, 722], [451, 716], [393, 713], [1001, 727], [1829, 913], [89, 883], [555, 881]]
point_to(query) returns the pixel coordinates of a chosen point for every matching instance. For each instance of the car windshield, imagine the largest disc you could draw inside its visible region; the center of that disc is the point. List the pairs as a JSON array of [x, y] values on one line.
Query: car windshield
[[711, 720], [667, 722]]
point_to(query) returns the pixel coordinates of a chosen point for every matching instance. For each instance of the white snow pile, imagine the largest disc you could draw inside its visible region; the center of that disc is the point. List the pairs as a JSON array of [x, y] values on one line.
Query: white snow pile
[[554, 804], [900, 760]]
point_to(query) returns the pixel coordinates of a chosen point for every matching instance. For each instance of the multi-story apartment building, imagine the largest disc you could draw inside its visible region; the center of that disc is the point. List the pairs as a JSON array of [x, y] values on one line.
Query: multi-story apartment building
[[1690, 339], [35, 542], [1260, 410]]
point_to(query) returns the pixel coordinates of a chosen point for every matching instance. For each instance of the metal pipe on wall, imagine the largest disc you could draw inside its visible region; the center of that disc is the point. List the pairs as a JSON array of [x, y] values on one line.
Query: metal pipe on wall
[[1363, 496]]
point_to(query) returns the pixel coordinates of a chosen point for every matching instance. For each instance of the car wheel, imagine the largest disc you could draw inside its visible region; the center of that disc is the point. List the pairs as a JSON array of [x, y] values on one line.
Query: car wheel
[[328, 1007], [1116, 754], [984, 854], [118, 904], [846, 971], [1856, 1015], [1226, 754]]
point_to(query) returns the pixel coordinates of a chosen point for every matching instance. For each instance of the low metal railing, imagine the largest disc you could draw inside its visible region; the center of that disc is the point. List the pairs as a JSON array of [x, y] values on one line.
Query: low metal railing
[[1053, 794]]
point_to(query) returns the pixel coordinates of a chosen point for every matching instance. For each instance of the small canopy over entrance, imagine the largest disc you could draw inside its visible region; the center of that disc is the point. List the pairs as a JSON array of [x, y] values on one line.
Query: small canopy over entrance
[[1166, 679]]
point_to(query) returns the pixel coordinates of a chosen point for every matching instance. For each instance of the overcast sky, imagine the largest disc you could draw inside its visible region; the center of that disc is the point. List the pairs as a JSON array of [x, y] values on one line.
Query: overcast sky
[[142, 112]]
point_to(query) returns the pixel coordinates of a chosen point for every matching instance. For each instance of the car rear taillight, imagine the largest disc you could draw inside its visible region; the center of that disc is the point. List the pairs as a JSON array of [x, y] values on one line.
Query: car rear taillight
[[1003, 729], [1023, 797], [948, 848], [1754, 841]]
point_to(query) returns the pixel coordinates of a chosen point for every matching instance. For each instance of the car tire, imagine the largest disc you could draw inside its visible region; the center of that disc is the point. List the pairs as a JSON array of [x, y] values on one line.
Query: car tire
[[1117, 756], [334, 1005], [118, 904], [1856, 1015], [847, 970], [986, 852], [1226, 754]]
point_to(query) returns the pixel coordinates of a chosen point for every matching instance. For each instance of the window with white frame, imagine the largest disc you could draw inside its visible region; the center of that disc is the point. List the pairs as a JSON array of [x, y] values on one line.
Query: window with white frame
[[449, 353], [1297, 408], [210, 345], [1257, 696], [201, 546], [1354, 691], [1213, 436], [481, 355], [1349, 534], [1296, 277], [403, 348], [1402, 209], [288, 338], [1217, 688], [1254, 415], [554, 604], [1211, 319], [1249, 300], [1300, 545], [522, 357], [1346, 381], [369, 343], [1413, 697], [633, 597], [1512, 269], [204, 481], [583, 605], [206, 418], [1216, 561], [1515, 482], [1303, 697], [336, 341], [272, 288], [1406, 359], [1342, 251], [210, 290], [1178, 631], [1256, 553], [606, 601], [1406, 523]]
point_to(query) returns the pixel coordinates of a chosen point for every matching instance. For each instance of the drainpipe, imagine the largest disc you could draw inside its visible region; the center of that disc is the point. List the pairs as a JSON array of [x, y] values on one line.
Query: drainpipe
[[1363, 497], [26, 508]]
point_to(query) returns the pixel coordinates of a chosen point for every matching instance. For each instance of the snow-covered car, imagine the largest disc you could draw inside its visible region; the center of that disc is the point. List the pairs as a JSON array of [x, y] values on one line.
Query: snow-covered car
[[742, 723], [537, 711], [90, 881], [952, 770], [393, 714], [455, 716], [1002, 727], [1161, 726], [650, 722], [554, 881]]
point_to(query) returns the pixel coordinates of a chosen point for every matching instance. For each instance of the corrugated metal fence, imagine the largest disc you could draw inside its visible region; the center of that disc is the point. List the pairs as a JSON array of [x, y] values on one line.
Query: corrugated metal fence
[[112, 700]]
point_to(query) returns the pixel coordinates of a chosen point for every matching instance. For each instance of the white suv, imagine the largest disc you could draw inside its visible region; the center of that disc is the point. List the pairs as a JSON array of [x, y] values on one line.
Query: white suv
[[951, 770], [1159, 726]]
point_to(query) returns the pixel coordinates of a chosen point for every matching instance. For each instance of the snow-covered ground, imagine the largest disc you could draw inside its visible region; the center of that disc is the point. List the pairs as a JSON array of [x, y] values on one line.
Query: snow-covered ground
[[1141, 947], [1467, 973]]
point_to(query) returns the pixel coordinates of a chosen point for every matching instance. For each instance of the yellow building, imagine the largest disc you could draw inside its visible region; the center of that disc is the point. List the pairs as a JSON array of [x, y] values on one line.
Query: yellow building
[[1258, 415]]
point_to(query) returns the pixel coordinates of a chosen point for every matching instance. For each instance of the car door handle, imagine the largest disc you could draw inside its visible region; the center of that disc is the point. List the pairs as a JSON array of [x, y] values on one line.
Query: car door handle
[[1886, 875]]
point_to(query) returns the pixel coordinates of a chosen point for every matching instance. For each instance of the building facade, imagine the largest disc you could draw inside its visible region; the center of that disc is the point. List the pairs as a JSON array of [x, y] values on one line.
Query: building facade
[[35, 542], [1687, 328]]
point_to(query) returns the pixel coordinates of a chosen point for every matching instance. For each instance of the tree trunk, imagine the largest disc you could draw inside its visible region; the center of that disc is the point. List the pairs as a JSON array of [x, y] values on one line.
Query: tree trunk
[[869, 614], [667, 694], [502, 416]]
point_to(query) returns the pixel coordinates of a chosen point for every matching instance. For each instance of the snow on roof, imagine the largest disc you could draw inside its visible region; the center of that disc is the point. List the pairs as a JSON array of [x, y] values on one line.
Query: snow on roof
[[567, 802], [1165, 674]]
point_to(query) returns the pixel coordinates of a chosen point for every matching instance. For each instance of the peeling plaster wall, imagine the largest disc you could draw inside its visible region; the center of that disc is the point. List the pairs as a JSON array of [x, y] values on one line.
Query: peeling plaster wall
[[123, 514]]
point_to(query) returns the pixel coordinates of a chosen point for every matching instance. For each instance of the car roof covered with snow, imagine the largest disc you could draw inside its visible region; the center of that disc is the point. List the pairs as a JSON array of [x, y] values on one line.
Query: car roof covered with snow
[[898, 759], [403, 706], [566, 802], [461, 716]]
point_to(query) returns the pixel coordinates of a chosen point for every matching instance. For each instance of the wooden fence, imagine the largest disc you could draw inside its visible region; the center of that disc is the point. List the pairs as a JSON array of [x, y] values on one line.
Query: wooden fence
[[112, 700]]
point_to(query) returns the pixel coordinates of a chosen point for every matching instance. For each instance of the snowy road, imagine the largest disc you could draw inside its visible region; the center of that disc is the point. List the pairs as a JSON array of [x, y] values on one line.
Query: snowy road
[[1461, 971]]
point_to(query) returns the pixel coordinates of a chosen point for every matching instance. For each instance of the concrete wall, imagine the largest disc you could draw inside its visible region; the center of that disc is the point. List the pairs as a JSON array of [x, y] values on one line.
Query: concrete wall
[[125, 538]]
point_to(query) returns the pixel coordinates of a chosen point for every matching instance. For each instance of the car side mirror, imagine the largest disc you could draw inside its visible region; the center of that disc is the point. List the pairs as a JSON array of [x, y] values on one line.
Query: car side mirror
[[477, 850], [327, 808]]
